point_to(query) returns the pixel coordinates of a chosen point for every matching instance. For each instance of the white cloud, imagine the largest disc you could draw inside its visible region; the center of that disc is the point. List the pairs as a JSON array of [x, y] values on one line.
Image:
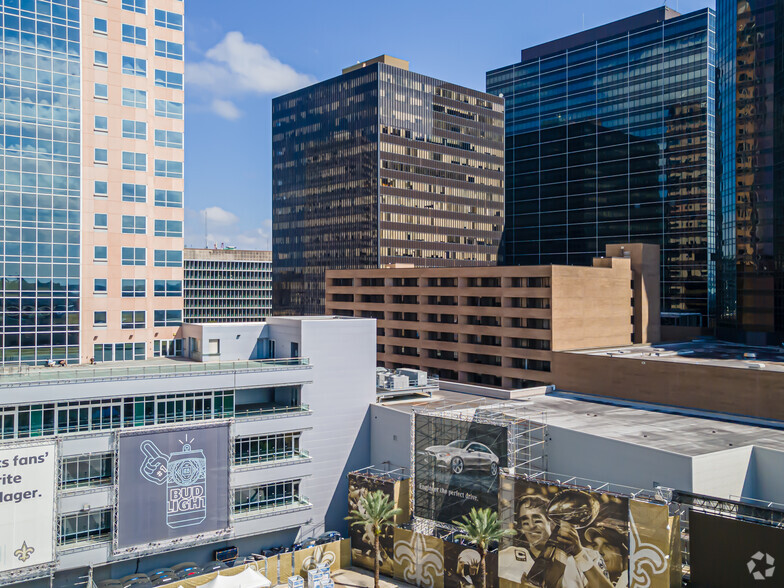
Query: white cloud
[[235, 66], [222, 230], [226, 109]]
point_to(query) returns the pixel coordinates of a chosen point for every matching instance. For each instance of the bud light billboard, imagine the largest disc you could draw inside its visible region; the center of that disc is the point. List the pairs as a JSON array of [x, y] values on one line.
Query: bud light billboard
[[172, 484]]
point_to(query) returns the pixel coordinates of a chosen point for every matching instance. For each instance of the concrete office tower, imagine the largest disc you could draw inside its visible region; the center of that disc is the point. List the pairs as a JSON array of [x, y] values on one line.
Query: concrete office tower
[[92, 178], [227, 285], [610, 138], [750, 107], [382, 165]]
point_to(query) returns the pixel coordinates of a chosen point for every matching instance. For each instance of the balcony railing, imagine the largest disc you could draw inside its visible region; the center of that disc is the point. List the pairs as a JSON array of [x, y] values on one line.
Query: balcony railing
[[31, 376], [271, 459], [271, 411], [297, 502]]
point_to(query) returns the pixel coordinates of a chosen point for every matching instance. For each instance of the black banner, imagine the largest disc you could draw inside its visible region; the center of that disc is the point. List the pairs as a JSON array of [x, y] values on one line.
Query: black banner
[[728, 553], [456, 466]]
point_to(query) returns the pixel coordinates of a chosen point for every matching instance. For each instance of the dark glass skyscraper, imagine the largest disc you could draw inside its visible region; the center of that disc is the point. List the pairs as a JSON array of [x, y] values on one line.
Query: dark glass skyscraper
[[610, 138], [751, 169], [382, 165]]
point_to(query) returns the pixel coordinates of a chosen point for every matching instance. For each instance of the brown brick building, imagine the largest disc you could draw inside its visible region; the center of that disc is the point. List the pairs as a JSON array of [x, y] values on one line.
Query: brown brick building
[[499, 326]]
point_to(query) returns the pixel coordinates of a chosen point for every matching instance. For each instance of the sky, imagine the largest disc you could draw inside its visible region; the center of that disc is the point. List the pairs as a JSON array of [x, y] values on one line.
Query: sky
[[242, 53]]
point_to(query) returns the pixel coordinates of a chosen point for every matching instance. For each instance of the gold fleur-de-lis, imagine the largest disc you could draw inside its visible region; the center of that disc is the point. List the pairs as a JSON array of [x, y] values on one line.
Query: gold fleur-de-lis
[[24, 552]]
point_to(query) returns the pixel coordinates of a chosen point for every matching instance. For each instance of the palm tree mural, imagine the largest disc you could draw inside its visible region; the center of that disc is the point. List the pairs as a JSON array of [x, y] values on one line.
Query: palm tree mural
[[374, 512], [482, 528]]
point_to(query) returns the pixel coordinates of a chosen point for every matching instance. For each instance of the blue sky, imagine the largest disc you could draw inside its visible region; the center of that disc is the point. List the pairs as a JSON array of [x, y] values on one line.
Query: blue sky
[[242, 53]]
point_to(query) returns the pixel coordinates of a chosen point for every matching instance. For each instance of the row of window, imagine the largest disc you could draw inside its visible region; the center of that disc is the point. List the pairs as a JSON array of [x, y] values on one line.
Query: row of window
[[97, 525], [138, 193], [137, 319], [138, 255], [138, 225], [138, 162], [96, 469]]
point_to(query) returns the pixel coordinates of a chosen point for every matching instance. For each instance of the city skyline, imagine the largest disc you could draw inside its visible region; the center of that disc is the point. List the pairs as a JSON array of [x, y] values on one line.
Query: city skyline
[[253, 63]]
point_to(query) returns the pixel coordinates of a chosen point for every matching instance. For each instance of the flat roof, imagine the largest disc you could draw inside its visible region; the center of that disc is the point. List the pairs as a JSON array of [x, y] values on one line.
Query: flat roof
[[698, 352], [664, 431]]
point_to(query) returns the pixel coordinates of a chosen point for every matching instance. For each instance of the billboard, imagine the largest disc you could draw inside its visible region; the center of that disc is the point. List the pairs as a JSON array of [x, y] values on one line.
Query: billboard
[[456, 466], [172, 483], [564, 536], [728, 553], [360, 485], [28, 476]]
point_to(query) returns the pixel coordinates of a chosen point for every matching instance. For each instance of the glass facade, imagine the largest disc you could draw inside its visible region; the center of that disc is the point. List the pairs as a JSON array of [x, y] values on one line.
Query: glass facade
[[610, 139], [40, 192], [381, 165], [750, 165]]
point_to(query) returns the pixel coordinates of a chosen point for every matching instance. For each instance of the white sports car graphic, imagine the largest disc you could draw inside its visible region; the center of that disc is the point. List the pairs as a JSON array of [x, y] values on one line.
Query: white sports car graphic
[[461, 455]]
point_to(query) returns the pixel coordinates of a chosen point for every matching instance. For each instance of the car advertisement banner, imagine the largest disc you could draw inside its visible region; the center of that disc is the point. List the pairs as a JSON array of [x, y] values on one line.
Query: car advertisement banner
[[456, 466], [564, 536], [728, 553], [362, 539], [27, 505], [172, 483]]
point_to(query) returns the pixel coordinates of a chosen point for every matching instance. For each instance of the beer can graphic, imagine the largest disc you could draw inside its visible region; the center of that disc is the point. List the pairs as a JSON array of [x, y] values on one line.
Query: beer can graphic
[[186, 488]]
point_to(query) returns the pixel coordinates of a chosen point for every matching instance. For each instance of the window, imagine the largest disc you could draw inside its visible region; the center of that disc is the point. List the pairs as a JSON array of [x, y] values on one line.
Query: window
[[135, 98], [101, 123], [139, 6], [135, 161], [168, 228], [167, 318], [132, 34], [262, 448], [168, 109], [135, 225], [134, 129], [134, 193], [168, 257], [168, 169], [134, 66], [85, 526], [86, 470], [101, 92], [171, 139], [167, 348], [100, 221], [264, 496], [100, 253], [100, 26], [132, 319], [168, 288], [99, 318], [115, 352], [100, 188], [101, 59], [133, 288], [101, 156], [99, 286], [168, 198], [168, 79], [168, 49], [169, 20], [133, 256]]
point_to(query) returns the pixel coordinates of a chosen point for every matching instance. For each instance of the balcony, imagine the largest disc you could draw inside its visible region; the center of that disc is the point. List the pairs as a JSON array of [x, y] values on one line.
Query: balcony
[[272, 411], [158, 367], [274, 507], [269, 460]]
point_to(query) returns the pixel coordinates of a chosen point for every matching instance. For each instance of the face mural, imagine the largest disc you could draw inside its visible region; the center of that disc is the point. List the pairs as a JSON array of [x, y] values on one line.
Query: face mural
[[565, 538]]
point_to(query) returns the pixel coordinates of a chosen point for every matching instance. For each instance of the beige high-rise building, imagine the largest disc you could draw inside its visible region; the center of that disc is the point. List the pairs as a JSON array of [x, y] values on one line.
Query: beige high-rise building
[[132, 177]]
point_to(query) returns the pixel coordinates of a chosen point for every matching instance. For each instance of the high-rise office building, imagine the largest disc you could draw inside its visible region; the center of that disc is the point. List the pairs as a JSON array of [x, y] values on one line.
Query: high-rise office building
[[92, 178], [610, 137], [227, 285], [750, 108], [382, 165]]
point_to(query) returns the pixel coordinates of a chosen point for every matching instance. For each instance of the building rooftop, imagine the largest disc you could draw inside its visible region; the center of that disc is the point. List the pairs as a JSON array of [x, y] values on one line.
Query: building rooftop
[[664, 431], [699, 351], [13, 376], [386, 59]]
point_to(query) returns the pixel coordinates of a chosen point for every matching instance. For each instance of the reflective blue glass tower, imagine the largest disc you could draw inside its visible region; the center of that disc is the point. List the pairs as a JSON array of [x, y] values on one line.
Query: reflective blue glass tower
[[610, 139], [40, 185]]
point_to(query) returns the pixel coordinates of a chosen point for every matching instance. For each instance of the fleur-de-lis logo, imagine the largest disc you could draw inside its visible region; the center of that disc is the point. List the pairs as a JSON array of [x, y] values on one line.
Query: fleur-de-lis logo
[[421, 564], [24, 552], [319, 557], [646, 560]]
